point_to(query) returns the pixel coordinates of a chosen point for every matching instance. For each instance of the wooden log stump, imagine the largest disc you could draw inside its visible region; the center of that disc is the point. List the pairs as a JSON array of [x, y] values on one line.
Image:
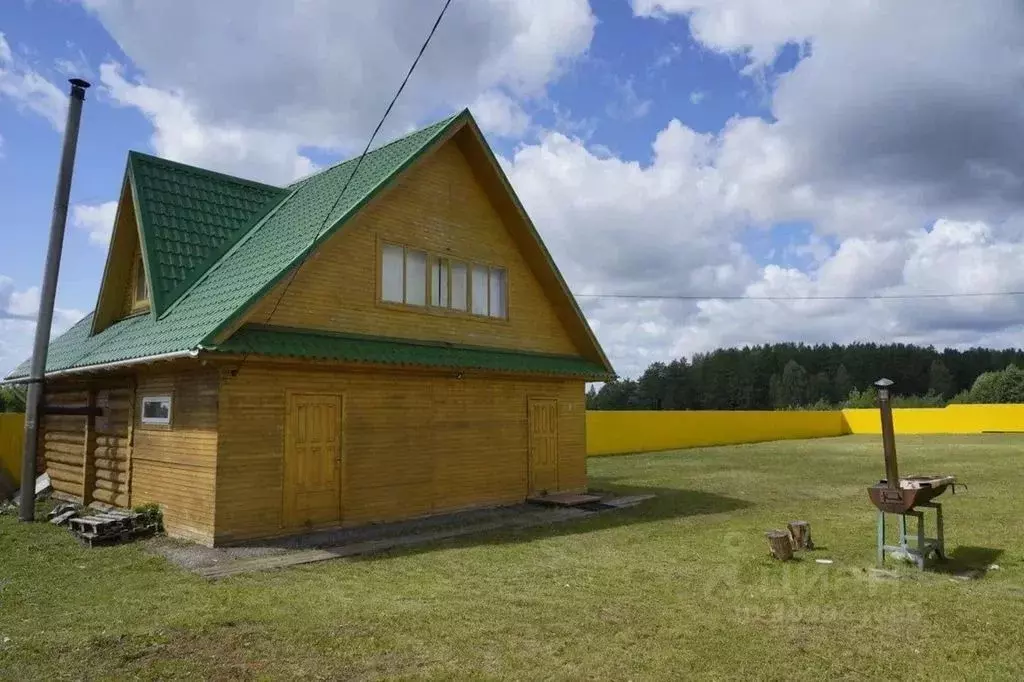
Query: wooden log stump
[[781, 544], [801, 532]]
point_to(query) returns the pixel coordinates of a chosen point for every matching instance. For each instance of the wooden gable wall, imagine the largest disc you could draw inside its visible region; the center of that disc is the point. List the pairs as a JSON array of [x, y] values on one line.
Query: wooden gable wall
[[439, 206], [115, 298]]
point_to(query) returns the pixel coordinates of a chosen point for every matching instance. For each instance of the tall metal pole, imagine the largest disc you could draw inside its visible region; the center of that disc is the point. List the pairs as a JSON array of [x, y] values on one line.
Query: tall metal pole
[[46, 297]]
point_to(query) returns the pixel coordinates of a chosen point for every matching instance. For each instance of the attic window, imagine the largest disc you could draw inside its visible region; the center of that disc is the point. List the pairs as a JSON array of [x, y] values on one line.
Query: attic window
[[156, 409], [418, 278], [140, 291]]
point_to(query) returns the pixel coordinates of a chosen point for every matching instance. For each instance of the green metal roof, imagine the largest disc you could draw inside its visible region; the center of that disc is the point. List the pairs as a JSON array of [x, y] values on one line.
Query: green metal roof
[[214, 245], [296, 343], [188, 217]]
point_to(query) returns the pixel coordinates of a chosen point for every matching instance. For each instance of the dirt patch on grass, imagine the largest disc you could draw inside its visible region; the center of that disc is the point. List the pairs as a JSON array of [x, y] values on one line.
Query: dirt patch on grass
[[224, 652], [241, 650]]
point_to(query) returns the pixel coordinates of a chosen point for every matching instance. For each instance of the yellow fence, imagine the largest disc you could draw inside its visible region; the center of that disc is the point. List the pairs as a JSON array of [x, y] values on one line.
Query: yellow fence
[[952, 419], [12, 435], [649, 431]]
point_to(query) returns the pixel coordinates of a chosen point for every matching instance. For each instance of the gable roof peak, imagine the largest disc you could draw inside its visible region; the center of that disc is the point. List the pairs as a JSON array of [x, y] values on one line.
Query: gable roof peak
[[136, 157], [374, 150]]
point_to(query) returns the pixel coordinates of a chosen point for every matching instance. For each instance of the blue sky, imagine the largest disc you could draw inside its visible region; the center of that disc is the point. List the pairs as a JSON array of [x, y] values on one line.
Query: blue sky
[[662, 146]]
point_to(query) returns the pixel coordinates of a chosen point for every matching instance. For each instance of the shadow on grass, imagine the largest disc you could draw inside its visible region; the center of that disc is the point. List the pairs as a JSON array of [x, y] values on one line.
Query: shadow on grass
[[667, 503], [473, 528], [968, 561]]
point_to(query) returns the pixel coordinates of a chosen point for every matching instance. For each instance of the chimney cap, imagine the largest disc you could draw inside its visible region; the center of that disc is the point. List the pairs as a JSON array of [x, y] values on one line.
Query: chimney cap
[[884, 383], [79, 83]]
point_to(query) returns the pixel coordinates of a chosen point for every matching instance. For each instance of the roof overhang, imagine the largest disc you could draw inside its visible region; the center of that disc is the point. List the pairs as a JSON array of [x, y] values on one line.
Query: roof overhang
[[106, 366]]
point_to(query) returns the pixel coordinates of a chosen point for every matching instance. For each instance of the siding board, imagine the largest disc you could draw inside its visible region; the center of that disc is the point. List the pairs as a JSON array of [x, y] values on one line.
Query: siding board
[[412, 444], [439, 206], [175, 466]]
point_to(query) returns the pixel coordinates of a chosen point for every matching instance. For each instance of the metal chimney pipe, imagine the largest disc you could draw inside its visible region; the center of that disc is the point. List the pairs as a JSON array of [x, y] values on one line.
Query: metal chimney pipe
[[892, 474], [47, 295]]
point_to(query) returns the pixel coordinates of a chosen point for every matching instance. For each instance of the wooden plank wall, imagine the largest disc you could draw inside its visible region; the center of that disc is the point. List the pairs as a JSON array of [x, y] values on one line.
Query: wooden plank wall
[[438, 206], [175, 465], [62, 443], [412, 444]]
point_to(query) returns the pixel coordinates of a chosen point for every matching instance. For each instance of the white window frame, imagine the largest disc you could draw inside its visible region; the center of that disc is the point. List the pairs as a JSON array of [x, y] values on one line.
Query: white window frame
[[440, 293], [397, 293], [158, 421]]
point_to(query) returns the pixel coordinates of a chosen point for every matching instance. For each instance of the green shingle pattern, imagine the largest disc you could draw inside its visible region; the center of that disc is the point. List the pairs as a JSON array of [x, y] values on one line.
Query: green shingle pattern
[[252, 265], [388, 351], [188, 218], [215, 244]]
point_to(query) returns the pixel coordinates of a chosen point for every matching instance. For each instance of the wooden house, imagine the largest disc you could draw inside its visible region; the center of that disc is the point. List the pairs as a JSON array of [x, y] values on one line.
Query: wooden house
[[367, 344]]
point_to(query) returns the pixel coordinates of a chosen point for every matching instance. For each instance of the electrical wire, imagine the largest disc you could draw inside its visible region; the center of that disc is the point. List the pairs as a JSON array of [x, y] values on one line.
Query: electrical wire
[[359, 161], [355, 170], [864, 297]]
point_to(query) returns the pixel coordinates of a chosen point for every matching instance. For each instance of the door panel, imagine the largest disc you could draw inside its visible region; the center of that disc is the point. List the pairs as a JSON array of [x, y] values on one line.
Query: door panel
[[543, 424], [312, 465]]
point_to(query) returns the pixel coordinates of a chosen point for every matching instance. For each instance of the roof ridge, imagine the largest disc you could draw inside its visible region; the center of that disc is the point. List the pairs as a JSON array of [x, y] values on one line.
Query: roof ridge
[[134, 154], [440, 122]]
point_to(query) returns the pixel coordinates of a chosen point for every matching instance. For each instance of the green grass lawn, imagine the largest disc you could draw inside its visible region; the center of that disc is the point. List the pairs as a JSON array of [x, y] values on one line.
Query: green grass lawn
[[680, 587]]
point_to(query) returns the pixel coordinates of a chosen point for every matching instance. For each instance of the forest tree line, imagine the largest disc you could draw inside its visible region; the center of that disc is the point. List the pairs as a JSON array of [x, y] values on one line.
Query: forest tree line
[[12, 399], [791, 376]]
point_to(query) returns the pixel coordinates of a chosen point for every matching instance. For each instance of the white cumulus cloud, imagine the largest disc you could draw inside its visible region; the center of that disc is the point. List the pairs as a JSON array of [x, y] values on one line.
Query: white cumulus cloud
[[249, 85], [28, 89], [95, 219], [18, 309]]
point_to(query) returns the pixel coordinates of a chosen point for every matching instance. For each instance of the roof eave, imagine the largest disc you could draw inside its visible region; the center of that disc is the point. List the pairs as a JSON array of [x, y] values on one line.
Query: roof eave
[[106, 366], [256, 356]]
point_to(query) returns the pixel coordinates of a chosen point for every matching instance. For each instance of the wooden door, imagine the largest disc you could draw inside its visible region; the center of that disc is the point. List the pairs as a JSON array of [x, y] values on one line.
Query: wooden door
[[312, 460], [543, 424]]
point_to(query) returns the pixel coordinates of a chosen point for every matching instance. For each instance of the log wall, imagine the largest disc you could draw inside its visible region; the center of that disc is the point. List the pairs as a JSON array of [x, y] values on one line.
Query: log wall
[[109, 476], [62, 442]]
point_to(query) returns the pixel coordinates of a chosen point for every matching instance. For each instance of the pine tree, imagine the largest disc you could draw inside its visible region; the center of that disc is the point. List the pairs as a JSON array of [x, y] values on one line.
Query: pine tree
[[940, 380], [841, 384]]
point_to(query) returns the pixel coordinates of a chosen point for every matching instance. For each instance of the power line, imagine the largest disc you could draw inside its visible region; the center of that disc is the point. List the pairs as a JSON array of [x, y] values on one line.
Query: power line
[[864, 297], [359, 162]]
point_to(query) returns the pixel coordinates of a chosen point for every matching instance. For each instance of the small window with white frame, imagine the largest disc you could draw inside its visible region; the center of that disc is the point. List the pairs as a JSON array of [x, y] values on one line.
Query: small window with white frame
[[156, 409]]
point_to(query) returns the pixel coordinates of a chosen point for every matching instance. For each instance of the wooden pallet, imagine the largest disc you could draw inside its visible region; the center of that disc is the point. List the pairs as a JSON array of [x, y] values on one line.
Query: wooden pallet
[[111, 526]]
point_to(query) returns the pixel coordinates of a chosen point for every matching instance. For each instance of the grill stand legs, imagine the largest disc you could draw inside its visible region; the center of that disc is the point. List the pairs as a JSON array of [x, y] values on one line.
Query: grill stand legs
[[923, 546]]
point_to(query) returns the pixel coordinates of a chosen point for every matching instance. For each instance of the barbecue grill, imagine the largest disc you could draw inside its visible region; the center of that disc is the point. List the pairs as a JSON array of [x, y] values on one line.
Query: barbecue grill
[[906, 496]]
